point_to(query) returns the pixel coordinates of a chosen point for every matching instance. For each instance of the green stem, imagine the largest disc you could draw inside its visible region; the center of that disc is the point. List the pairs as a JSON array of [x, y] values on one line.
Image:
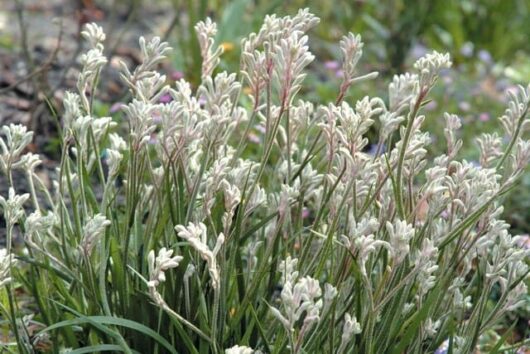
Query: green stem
[[405, 141]]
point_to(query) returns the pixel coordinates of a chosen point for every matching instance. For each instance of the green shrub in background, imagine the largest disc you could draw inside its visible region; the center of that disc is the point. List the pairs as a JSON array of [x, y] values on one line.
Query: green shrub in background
[[237, 216]]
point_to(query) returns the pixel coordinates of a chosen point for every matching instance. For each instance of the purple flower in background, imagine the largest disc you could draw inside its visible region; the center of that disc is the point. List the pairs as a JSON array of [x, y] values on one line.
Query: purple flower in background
[[467, 49], [443, 348], [153, 139], [485, 56], [305, 213], [165, 98], [261, 128], [431, 106], [502, 84], [418, 51], [484, 117], [116, 107], [524, 241], [372, 149], [447, 79], [176, 75], [332, 65], [464, 106], [156, 117], [253, 138]]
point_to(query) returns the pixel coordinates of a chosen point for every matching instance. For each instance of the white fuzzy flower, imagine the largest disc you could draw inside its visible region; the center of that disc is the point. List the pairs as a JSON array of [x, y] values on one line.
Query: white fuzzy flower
[[400, 233], [351, 327], [92, 231], [94, 34], [159, 264], [206, 31], [517, 109], [114, 158], [37, 223], [17, 138], [72, 109], [196, 235], [297, 299], [401, 91], [116, 142], [236, 349], [429, 67], [13, 206], [6, 261]]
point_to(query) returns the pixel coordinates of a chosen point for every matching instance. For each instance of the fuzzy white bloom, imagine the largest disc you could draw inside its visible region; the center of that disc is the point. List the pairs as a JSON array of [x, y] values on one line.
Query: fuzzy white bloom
[[297, 299], [431, 327], [364, 245], [490, 146], [460, 302], [330, 292], [159, 264], [429, 67], [425, 261], [402, 90], [72, 109], [29, 162], [390, 122], [521, 156], [94, 34], [452, 124], [37, 223], [206, 31], [351, 327], [196, 235], [92, 62], [232, 198], [116, 142], [236, 349], [6, 261], [288, 269], [141, 123], [400, 233], [17, 138], [153, 52], [114, 158], [518, 297], [515, 114], [13, 206], [291, 56], [92, 231], [150, 88], [351, 47]]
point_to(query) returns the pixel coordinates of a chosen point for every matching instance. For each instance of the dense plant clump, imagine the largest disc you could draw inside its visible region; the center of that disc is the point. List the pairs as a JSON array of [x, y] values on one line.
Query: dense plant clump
[[235, 218]]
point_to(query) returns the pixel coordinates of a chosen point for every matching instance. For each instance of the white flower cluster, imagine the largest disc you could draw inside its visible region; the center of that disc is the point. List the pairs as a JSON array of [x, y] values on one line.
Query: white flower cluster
[[206, 31], [196, 235], [93, 230], [301, 297], [13, 206], [6, 262], [17, 139]]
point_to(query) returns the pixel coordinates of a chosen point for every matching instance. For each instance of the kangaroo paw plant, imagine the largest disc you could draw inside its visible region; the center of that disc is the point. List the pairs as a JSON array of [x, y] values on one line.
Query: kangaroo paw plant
[[236, 218]]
